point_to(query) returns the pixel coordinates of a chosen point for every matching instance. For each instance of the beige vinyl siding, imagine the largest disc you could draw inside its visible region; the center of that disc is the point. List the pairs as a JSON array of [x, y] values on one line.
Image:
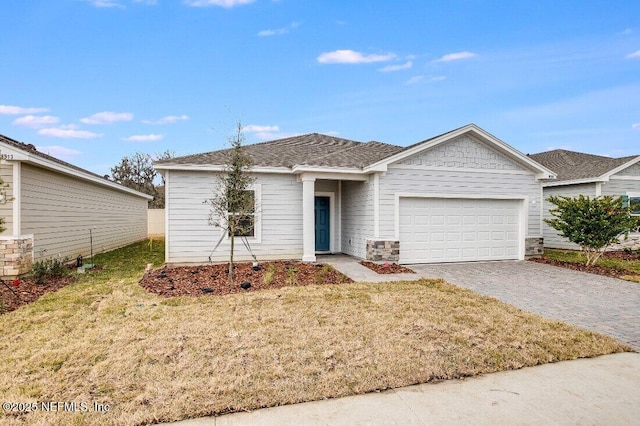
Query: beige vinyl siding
[[6, 209], [456, 181], [191, 239], [551, 237], [59, 211], [357, 216]]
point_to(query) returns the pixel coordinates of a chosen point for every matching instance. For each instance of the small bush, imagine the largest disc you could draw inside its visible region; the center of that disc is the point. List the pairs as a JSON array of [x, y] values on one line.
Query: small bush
[[49, 268], [269, 275]]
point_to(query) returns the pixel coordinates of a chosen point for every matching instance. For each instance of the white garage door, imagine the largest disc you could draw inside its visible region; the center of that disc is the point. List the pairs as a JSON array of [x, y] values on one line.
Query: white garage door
[[458, 230]]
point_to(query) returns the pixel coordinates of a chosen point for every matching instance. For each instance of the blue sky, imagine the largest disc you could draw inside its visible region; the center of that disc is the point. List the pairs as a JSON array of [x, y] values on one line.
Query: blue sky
[[90, 81]]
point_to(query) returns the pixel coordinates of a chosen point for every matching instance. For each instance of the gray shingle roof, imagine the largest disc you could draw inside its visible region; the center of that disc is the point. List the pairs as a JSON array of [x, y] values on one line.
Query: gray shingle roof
[[312, 149], [571, 165], [31, 149]]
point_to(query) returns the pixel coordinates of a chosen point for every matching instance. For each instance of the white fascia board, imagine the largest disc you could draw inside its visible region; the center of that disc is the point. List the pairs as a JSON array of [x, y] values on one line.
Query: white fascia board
[[542, 172], [19, 155], [319, 169], [333, 176], [217, 168], [622, 167], [575, 182]]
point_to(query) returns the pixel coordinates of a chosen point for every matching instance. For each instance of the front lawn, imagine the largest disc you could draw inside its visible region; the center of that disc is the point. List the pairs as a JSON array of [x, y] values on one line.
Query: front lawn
[[106, 340], [619, 264]]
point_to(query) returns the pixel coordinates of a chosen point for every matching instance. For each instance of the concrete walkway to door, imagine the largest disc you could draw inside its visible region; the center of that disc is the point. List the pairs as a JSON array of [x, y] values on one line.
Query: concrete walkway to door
[[602, 304]]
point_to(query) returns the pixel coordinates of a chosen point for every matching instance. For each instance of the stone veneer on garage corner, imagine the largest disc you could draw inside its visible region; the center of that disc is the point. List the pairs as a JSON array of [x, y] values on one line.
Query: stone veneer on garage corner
[[16, 256], [533, 247], [388, 250]]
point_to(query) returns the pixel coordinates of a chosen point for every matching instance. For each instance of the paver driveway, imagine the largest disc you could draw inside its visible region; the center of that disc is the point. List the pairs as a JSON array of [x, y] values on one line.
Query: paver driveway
[[606, 305]]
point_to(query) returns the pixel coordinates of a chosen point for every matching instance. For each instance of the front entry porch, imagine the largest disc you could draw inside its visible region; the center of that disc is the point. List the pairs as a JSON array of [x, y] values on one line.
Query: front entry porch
[[322, 212]]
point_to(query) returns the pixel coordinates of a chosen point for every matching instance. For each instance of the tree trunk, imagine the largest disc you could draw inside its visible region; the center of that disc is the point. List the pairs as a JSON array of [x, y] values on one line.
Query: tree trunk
[[231, 258]]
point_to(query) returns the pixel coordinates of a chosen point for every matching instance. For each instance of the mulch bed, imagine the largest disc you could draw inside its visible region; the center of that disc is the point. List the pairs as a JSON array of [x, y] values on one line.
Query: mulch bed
[[595, 269], [387, 268], [28, 291], [212, 279]]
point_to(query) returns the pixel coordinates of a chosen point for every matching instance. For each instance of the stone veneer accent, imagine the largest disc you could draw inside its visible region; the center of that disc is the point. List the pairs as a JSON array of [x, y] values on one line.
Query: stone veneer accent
[[533, 247], [16, 255], [388, 250]]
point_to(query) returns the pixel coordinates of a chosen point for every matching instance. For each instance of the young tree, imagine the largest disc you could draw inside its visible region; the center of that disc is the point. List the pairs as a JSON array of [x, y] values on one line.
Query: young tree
[[137, 172], [592, 223], [233, 204]]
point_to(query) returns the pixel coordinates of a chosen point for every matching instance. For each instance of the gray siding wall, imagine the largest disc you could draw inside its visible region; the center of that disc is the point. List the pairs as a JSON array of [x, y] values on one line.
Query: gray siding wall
[[191, 239], [59, 211], [6, 209], [551, 237], [620, 187], [463, 152], [357, 217], [633, 170]]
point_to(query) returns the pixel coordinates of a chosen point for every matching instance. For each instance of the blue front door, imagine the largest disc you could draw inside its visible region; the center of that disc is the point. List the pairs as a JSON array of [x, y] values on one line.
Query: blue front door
[[323, 227]]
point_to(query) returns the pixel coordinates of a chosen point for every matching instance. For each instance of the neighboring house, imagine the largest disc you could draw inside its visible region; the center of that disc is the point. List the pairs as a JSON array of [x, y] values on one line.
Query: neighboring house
[[462, 196], [50, 206], [589, 175]]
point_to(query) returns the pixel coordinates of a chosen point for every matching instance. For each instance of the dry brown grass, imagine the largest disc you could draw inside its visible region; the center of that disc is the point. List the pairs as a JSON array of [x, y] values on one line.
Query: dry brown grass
[[153, 359]]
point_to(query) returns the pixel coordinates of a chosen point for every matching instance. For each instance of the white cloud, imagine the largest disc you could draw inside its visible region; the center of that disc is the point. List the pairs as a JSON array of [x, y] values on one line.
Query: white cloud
[[278, 31], [635, 126], [222, 3], [457, 56], [144, 138], [434, 78], [35, 122], [105, 3], [414, 80], [627, 31], [352, 57], [254, 128], [147, 2], [58, 151], [169, 119], [399, 67], [107, 117], [16, 110], [634, 55], [266, 133], [67, 132]]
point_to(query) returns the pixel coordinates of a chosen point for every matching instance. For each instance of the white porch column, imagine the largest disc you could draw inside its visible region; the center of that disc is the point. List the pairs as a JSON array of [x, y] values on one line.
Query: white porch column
[[308, 219]]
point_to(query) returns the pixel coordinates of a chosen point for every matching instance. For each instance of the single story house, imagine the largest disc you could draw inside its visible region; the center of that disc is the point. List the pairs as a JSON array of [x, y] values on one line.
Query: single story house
[[50, 206], [464, 195], [588, 175]]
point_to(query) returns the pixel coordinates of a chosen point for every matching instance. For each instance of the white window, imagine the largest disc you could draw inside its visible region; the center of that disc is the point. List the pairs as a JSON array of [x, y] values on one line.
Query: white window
[[250, 224]]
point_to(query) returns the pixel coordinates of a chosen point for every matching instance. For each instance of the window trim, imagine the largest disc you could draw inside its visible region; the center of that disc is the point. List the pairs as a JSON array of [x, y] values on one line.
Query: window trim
[[257, 224], [633, 195]]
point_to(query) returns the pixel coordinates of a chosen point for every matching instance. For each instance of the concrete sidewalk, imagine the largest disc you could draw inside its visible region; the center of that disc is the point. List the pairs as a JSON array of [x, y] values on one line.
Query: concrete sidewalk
[[596, 391]]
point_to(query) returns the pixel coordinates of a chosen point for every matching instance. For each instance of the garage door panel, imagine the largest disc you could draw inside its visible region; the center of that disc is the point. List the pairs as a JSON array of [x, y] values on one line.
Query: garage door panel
[[451, 230]]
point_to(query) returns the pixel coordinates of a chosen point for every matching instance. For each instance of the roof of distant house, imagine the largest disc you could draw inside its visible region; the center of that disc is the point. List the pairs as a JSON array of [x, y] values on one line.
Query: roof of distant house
[[571, 165], [63, 165]]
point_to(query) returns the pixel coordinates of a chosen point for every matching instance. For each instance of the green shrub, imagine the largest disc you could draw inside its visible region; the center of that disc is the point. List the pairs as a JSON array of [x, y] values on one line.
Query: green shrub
[[49, 268]]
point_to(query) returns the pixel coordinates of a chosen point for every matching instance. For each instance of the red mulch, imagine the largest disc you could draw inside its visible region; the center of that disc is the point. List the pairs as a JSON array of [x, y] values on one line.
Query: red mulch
[[387, 268], [212, 279], [28, 291], [595, 269]]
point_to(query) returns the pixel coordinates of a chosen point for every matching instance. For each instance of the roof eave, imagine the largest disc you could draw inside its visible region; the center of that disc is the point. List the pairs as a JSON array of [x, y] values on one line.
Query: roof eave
[[622, 167], [598, 179], [216, 168], [20, 155]]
